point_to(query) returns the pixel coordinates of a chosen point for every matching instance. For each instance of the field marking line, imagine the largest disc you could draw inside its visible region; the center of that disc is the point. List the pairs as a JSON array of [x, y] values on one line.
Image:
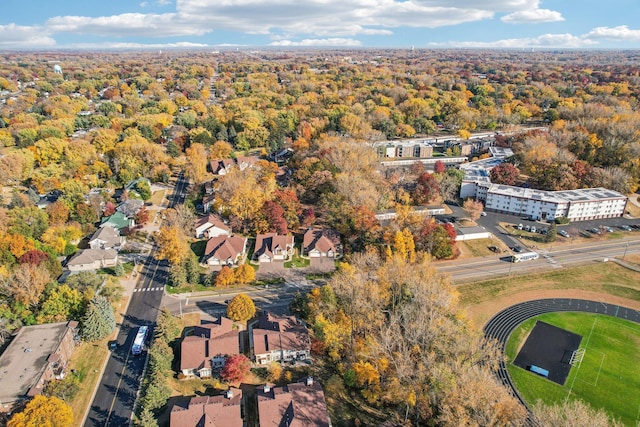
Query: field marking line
[[600, 369], [601, 363], [578, 370]]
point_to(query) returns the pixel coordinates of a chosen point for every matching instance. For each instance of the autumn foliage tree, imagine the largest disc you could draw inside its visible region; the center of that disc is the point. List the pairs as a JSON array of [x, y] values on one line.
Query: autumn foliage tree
[[172, 245], [43, 411], [225, 277], [473, 208], [504, 173], [241, 308], [426, 188], [236, 368]]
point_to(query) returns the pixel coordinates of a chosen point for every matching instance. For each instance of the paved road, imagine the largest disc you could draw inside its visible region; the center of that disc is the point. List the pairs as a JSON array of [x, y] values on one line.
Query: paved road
[[502, 324], [462, 271], [116, 395]]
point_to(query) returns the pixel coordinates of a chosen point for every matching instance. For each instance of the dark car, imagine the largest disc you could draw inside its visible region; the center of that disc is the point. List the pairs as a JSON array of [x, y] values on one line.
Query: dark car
[[517, 249], [113, 345], [494, 249]]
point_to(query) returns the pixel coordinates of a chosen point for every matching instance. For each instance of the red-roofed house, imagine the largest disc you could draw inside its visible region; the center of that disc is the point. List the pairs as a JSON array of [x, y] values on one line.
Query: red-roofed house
[[279, 338], [321, 243], [300, 404], [208, 348], [211, 226], [210, 411], [273, 247], [225, 250]]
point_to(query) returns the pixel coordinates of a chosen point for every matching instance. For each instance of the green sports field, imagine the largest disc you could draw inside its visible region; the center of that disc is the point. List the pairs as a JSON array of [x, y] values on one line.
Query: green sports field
[[609, 375]]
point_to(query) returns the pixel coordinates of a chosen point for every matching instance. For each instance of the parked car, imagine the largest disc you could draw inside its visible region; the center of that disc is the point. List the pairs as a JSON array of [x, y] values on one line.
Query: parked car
[[519, 226], [626, 227], [527, 227], [608, 229], [533, 228], [563, 233], [517, 249], [483, 213], [593, 230], [113, 345], [543, 230]]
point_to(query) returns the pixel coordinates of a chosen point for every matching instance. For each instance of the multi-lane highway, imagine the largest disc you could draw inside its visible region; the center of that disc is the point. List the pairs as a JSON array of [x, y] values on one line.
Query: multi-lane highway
[[116, 394]]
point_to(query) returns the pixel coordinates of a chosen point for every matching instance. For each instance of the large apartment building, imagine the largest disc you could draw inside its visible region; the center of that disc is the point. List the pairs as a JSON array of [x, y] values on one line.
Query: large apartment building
[[576, 205]]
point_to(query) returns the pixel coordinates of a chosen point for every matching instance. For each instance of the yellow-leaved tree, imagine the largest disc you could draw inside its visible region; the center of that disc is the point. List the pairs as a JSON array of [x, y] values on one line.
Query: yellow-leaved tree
[[245, 274], [241, 308], [172, 245], [43, 411]]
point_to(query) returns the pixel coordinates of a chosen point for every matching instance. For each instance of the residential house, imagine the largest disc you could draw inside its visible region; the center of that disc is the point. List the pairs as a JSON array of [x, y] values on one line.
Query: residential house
[[318, 243], [244, 162], [224, 410], [208, 348], [225, 250], [279, 339], [118, 220], [130, 207], [273, 247], [300, 404], [106, 238], [207, 202], [92, 259], [211, 226], [221, 167], [36, 354]]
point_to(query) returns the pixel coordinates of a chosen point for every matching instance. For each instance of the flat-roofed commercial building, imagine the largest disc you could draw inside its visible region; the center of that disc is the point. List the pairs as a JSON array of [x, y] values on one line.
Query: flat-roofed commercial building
[[36, 355]]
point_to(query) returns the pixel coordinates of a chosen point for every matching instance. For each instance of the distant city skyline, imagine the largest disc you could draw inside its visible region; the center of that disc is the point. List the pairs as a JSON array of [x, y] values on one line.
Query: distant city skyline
[[164, 24]]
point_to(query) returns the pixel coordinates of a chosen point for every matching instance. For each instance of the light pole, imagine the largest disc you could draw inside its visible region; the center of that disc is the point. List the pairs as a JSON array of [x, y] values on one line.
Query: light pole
[[625, 249]]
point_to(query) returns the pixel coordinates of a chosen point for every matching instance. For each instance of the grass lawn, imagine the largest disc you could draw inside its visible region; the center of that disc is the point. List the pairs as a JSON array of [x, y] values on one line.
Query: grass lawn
[[480, 247], [198, 247], [604, 277], [189, 288], [608, 376], [157, 197], [298, 262], [87, 362]]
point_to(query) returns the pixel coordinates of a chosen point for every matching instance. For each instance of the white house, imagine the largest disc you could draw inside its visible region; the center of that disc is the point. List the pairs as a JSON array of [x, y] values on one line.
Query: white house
[[93, 259], [107, 238], [211, 226]]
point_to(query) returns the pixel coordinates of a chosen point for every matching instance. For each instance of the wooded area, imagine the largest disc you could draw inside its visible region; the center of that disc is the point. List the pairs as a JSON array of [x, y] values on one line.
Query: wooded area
[[111, 118]]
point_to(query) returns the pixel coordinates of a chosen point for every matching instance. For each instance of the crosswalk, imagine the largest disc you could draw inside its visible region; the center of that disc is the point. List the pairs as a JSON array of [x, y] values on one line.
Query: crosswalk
[[148, 289]]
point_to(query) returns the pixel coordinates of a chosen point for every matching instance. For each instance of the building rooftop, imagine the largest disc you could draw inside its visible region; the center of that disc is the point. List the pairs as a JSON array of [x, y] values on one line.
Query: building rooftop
[[565, 196], [24, 360], [295, 405]]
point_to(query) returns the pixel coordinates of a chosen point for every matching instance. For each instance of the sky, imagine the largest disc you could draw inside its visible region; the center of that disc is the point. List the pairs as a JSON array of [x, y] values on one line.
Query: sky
[[164, 24]]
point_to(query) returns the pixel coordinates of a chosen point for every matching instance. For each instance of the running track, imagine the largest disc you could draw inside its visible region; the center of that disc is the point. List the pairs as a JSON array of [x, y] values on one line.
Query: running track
[[502, 324]]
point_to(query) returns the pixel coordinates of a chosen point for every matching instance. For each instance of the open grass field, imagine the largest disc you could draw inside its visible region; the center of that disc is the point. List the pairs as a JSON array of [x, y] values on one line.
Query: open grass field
[[484, 299], [608, 376]]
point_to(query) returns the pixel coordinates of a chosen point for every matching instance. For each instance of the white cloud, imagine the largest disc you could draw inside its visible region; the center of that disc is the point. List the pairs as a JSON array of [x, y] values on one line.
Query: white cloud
[[620, 33], [534, 16], [317, 42], [14, 36], [126, 45], [144, 4], [542, 41], [126, 24]]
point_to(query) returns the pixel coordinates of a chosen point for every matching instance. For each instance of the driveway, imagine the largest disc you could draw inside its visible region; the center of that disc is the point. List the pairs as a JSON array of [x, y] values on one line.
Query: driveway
[[321, 265], [271, 270]]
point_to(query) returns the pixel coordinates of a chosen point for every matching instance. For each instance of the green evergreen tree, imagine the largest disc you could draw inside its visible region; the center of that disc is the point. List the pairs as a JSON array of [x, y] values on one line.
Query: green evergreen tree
[[146, 419], [160, 357], [178, 275], [192, 268], [157, 392], [167, 326], [99, 320], [118, 270], [552, 233], [172, 149]]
